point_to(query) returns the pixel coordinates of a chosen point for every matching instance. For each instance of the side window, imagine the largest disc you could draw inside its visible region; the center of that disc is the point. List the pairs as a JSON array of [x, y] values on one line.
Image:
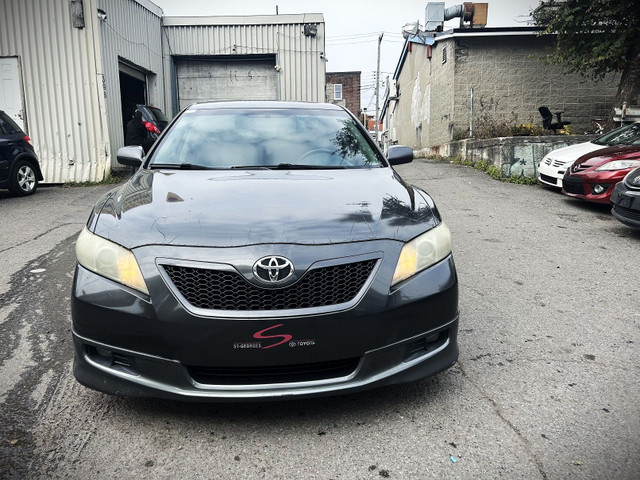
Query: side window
[[2, 132], [8, 126], [337, 91]]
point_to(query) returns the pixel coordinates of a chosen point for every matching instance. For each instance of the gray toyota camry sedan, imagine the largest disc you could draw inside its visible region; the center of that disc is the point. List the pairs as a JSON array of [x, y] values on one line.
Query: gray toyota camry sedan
[[263, 250]]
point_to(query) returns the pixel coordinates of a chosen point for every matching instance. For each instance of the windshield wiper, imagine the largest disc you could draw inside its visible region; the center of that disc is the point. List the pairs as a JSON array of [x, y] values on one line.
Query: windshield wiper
[[250, 167], [286, 166], [182, 166], [293, 166]]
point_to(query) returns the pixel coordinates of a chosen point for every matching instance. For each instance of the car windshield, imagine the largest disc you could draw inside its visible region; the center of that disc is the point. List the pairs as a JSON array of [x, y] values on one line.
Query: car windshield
[[265, 138], [627, 135]]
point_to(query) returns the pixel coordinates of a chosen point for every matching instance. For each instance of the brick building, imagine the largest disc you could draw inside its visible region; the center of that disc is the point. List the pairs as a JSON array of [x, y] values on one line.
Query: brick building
[[429, 102], [343, 88]]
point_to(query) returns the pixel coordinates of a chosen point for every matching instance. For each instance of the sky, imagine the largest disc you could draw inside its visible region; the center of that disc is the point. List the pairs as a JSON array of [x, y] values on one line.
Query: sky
[[352, 27]]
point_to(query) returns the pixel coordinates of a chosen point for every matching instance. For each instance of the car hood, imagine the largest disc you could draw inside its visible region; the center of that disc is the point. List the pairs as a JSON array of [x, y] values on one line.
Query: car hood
[[572, 152], [236, 207], [619, 152]]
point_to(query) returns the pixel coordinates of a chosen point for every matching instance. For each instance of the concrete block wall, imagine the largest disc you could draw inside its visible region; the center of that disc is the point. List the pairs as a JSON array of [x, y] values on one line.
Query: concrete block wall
[[515, 156], [510, 82], [424, 111], [443, 94]]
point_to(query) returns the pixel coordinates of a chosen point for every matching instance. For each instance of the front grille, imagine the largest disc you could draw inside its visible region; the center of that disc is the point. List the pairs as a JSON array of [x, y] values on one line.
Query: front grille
[[224, 290], [627, 212], [277, 374], [548, 179], [571, 185]]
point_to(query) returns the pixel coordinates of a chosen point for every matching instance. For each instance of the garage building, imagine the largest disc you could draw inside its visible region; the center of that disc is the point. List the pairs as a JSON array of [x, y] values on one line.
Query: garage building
[[271, 57], [72, 71]]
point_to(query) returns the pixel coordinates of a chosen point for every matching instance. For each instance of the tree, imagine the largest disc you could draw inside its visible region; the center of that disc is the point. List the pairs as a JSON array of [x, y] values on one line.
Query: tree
[[596, 37]]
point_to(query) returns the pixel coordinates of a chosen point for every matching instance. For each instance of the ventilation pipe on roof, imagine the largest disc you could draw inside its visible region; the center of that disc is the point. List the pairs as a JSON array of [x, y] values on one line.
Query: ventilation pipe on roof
[[470, 15], [458, 11]]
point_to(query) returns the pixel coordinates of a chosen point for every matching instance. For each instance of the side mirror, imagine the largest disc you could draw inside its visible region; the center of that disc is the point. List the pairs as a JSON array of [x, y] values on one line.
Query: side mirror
[[131, 156], [398, 155]]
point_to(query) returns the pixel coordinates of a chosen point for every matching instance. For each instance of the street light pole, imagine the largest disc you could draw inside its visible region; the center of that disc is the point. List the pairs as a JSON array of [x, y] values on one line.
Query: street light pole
[[378, 87]]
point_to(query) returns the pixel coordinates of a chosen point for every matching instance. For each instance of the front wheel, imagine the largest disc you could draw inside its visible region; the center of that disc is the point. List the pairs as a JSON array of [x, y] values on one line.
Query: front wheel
[[23, 179]]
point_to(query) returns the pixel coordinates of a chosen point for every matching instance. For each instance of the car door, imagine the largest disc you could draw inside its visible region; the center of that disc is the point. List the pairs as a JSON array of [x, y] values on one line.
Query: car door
[[5, 150], [10, 143]]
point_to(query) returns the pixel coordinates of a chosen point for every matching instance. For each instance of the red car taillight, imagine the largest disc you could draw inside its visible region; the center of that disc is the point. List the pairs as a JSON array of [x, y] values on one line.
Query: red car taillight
[[151, 127], [27, 139]]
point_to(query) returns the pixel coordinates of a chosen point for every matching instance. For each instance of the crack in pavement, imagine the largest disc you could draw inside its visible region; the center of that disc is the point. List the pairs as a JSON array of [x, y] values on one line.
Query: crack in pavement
[[37, 237], [498, 409]]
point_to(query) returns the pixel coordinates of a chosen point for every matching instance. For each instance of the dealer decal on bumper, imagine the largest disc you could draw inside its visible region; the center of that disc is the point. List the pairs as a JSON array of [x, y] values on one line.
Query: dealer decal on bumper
[[282, 338]]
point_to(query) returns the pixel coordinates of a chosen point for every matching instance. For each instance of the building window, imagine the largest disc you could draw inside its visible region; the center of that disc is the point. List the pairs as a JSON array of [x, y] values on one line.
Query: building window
[[444, 54], [337, 91]]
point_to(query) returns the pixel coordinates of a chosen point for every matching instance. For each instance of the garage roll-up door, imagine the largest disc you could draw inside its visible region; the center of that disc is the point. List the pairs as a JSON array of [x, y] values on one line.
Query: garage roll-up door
[[223, 79]]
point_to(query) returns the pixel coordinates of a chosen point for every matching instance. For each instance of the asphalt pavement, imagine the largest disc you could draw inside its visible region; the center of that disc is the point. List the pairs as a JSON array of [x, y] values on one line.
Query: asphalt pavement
[[547, 386]]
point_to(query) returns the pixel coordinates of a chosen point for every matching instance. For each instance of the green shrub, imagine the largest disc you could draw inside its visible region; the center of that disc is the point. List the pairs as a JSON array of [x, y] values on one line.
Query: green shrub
[[113, 178], [493, 171]]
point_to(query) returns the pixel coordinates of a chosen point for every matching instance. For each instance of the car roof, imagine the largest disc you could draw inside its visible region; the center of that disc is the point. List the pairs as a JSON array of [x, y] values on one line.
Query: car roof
[[257, 104]]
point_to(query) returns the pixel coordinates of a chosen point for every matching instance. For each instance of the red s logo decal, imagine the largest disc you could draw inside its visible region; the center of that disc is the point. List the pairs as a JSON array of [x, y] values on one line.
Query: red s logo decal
[[284, 336]]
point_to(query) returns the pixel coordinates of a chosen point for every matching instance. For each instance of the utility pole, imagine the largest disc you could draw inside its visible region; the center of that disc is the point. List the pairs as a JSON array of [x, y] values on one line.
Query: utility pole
[[378, 87]]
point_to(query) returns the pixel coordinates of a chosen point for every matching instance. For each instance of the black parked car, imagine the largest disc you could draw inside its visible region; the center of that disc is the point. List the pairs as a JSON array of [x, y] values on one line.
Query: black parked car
[[144, 125], [625, 200], [154, 120], [19, 167], [263, 250]]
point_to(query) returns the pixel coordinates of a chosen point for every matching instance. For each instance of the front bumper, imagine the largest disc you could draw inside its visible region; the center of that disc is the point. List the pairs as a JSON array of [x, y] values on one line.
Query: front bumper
[[552, 173], [584, 185], [162, 378], [625, 204], [131, 345]]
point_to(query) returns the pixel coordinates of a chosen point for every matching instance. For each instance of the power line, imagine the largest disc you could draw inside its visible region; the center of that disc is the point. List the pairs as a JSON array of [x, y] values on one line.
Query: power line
[[352, 35], [329, 42]]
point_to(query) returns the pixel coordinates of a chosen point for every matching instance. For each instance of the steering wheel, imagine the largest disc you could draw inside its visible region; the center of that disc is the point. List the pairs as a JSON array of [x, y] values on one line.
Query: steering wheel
[[321, 151]]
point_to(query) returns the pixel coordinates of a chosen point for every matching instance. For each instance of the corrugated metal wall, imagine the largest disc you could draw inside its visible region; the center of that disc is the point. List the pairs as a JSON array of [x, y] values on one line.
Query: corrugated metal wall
[[302, 68], [65, 113], [70, 76], [132, 32]]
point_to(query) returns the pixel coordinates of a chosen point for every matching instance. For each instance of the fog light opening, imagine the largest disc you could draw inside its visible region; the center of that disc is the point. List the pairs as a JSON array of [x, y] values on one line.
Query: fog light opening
[[432, 338], [114, 360], [598, 189], [425, 345], [106, 354]]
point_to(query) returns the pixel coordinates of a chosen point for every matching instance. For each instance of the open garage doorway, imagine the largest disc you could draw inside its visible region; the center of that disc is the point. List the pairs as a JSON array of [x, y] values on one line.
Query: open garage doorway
[[133, 91]]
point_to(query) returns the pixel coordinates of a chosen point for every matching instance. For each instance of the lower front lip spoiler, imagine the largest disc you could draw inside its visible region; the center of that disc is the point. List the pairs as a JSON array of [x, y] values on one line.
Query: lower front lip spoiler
[[162, 378]]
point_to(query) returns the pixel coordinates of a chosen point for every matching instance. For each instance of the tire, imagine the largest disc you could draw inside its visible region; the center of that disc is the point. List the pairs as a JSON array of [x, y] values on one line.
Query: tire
[[24, 180]]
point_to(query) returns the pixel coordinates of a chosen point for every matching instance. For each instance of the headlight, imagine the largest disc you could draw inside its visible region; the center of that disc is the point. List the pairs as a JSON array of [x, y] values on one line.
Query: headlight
[[618, 165], [422, 252], [633, 178], [109, 260]]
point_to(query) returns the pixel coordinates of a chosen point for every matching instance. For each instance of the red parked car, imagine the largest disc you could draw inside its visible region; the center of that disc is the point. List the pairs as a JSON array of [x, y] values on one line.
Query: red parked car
[[593, 176]]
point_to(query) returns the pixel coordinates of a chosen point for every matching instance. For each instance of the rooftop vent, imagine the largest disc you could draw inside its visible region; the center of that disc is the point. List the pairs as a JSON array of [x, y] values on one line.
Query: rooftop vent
[[471, 15]]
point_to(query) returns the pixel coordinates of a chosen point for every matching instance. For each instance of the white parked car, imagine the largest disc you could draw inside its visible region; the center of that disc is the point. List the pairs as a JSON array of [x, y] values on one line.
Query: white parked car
[[554, 164]]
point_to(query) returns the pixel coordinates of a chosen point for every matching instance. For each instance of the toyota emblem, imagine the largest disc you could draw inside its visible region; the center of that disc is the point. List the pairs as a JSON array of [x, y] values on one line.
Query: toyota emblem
[[273, 269]]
